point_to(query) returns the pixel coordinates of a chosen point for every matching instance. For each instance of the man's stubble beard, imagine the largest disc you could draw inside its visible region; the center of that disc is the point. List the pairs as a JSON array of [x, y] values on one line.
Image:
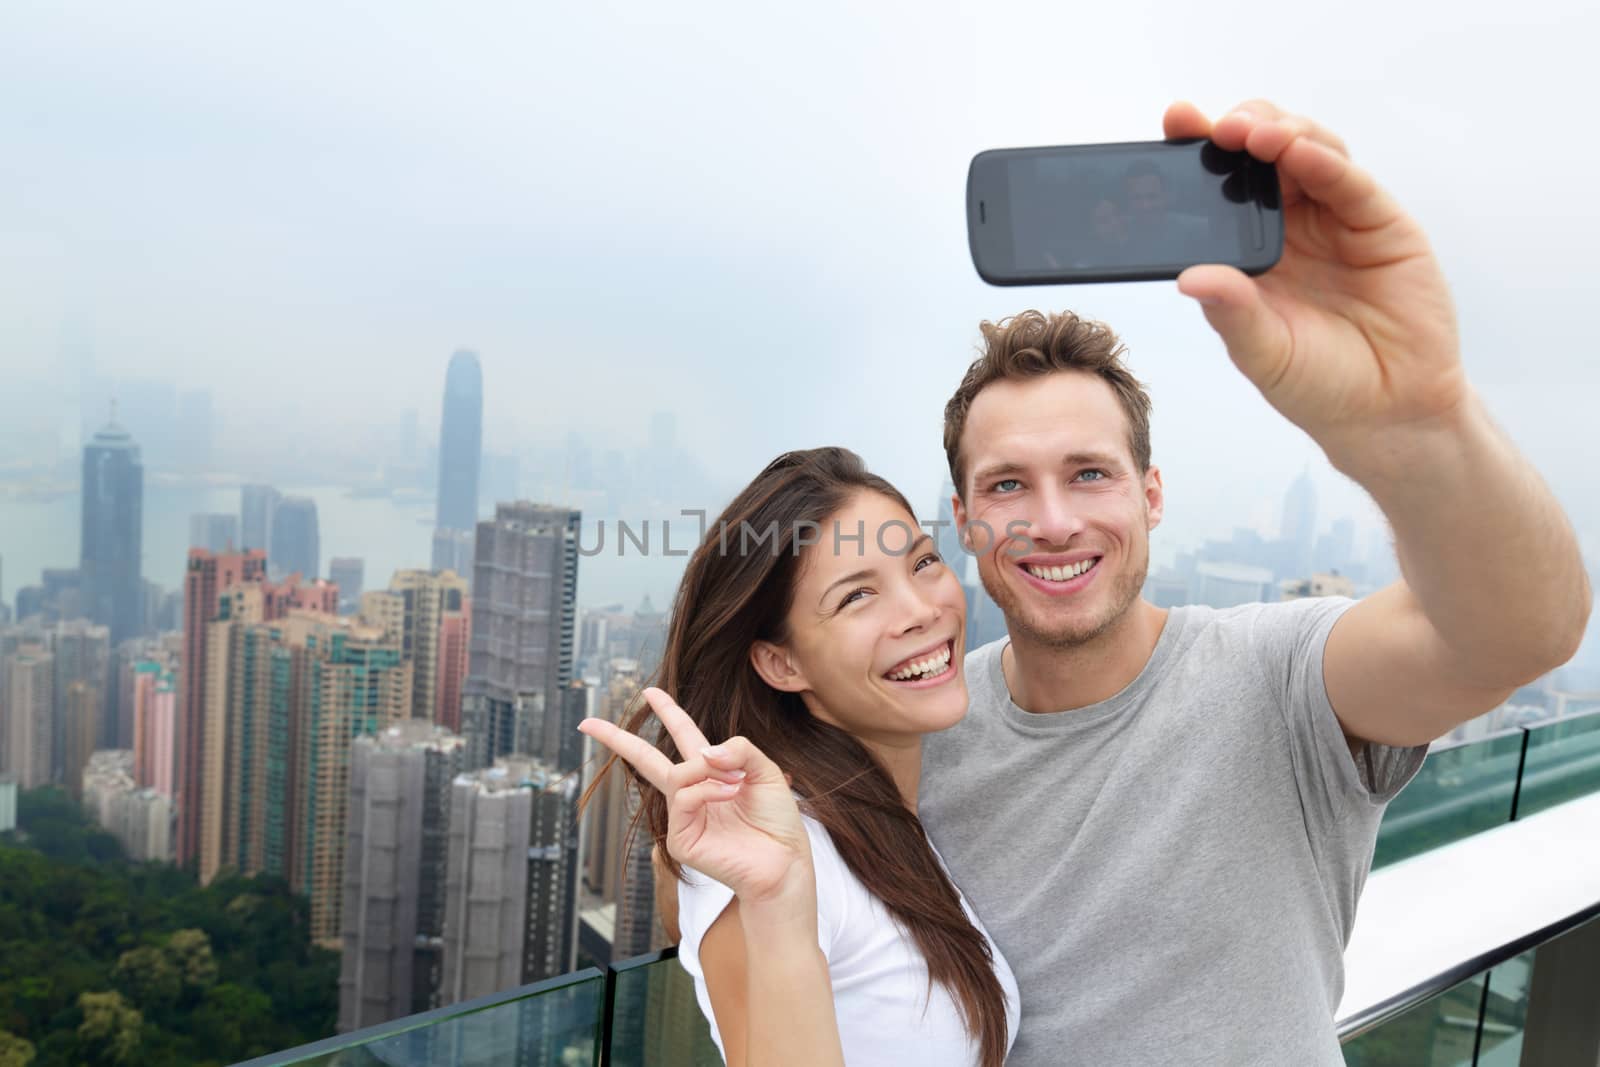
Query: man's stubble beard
[[1126, 590]]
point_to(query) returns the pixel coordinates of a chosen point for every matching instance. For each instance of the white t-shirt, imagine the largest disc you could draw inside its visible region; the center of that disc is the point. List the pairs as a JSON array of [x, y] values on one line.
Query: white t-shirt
[[887, 1014]]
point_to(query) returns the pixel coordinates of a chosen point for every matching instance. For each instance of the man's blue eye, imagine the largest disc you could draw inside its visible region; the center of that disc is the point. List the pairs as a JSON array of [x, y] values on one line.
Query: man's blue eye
[[1097, 471], [1000, 486]]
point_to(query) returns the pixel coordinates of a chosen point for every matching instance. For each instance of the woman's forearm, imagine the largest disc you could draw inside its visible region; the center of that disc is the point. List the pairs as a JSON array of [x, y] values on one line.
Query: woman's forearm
[[790, 994]]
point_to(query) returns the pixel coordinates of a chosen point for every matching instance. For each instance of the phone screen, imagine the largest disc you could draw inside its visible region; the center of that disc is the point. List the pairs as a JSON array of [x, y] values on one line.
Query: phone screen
[[1120, 211]]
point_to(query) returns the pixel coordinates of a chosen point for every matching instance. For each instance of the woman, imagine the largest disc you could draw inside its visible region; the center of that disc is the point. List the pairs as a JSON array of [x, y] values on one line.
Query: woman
[[817, 631]]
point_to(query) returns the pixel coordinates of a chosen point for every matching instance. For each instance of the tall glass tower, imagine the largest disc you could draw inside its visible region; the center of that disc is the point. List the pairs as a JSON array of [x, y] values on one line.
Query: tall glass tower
[[295, 545], [113, 523], [460, 443]]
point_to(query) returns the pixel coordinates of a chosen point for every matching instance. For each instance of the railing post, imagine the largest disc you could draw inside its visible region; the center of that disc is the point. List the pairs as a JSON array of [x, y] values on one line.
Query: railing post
[[1522, 763], [607, 1010]]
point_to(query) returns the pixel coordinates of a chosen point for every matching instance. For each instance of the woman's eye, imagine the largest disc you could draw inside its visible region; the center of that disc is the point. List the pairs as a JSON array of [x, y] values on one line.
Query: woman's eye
[[847, 601], [931, 557]]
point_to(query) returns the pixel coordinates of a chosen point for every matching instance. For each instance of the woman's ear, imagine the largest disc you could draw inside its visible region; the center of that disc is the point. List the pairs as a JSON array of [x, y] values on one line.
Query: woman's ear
[[777, 667]]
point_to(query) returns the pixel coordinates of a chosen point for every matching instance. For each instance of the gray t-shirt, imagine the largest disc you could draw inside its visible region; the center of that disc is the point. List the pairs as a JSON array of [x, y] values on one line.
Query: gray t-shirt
[[1173, 872]]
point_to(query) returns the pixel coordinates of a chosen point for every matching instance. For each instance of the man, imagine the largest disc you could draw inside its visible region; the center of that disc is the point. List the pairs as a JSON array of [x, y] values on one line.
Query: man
[[1165, 818], [1153, 228]]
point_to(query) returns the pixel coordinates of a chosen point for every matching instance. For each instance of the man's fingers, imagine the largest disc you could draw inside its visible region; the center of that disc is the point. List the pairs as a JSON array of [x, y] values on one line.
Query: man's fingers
[[685, 734], [1277, 127], [1256, 336], [1183, 120], [651, 763], [1330, 179]]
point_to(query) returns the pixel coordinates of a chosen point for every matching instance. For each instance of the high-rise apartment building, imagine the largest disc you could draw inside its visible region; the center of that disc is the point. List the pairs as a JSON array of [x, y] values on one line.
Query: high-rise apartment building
[[110, 586], [524, 616], [296, 547], [140, 819], [510, 901], [208, 576], [428, 613], [455, 658], [153, 702], [30, 716], [254, 724], [396, 852], [82, 654], [357, 682], [605, 820]]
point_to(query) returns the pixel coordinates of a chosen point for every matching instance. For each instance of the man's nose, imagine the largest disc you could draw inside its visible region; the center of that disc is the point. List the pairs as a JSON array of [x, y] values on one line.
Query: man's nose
[[1055, 520]]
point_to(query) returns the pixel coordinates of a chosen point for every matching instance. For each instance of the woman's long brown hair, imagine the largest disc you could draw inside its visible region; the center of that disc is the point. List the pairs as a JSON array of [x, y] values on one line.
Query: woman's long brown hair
[[737, 589]]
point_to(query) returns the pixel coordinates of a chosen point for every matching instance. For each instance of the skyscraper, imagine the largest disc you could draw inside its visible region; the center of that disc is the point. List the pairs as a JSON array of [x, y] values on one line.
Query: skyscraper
[[258, 506], [82, 653], [208, 577], [214, 532], [1299, 526], [605, 819], [357, 683], [524, 619], [453, 550], [460, 443], [30, 701], [510, 901], [295, 547], [154, 713], [455, 658], [346, 573], [113, 517], [415, 610], [396, 845]]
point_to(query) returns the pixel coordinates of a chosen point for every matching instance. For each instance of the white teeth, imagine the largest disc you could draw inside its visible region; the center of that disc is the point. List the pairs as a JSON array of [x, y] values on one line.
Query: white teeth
[[934, 664], [1061, 574]]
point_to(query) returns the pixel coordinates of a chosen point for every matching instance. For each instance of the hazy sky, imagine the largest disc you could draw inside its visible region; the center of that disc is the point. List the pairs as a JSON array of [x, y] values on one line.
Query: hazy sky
[[749, 214]]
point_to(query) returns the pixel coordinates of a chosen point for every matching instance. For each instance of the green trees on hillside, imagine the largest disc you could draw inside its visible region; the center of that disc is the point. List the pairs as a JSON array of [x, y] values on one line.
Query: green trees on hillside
[[103, 961]]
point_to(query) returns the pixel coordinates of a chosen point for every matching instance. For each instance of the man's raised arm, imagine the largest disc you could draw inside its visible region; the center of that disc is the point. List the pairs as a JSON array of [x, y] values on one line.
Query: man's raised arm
[[1352, 336]]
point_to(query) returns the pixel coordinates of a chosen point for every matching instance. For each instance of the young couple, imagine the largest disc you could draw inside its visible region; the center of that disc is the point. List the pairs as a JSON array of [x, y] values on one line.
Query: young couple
[[1144, 840]]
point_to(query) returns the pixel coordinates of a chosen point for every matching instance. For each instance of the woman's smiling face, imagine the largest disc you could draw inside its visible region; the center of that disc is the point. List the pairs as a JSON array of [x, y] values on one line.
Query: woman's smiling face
[[876, 627]]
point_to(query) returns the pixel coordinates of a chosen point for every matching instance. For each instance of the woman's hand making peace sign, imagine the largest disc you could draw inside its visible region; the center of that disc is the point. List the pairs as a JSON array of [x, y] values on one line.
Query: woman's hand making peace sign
[[730, 813]]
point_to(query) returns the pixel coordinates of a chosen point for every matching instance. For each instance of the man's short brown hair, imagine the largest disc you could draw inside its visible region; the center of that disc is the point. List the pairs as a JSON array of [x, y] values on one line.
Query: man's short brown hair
[[1033, 344]]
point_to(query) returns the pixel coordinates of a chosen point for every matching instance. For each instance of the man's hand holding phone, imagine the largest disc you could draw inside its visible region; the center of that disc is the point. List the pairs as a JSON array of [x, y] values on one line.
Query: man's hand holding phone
[[1352, 335]]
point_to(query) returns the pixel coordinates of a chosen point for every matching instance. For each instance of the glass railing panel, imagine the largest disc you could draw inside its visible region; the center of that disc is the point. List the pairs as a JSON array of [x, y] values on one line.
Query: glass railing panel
[[553, 1024], [1441, 1032], [1505, 1013], [1460, 791], [1563, 763], [655, 1018]]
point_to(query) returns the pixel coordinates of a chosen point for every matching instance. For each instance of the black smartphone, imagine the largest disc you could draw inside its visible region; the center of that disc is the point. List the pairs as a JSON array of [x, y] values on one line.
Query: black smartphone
[[1135, 211]]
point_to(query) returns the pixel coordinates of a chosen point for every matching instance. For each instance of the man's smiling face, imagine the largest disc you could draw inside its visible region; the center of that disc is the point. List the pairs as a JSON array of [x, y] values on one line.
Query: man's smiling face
[[1048, 468]]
